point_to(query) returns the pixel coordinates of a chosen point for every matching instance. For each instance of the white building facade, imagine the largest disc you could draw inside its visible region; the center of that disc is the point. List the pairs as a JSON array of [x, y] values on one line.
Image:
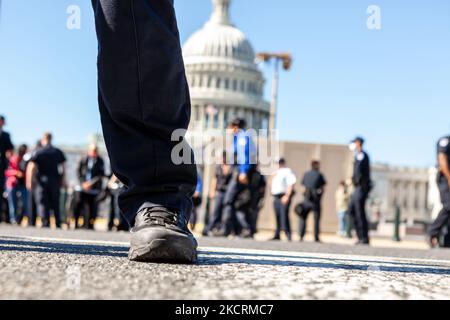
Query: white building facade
[[406, 187]]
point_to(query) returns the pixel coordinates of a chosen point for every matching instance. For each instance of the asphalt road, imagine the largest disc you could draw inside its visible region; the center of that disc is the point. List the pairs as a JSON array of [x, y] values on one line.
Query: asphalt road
[[46, 264]]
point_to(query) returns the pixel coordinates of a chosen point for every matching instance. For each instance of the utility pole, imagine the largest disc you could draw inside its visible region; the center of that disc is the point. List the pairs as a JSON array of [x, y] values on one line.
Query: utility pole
[[274, 102], [286, 60]]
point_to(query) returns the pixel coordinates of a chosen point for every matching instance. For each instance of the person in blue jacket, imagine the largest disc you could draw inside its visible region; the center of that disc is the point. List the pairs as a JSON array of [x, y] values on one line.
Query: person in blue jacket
[[238, 195]]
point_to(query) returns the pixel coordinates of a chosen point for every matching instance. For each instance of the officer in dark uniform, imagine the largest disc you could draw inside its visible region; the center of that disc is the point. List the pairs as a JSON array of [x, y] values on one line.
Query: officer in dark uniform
[[48, 165], [443, 181], [6, 147], [362, 185], [314, 183], [91, 171]]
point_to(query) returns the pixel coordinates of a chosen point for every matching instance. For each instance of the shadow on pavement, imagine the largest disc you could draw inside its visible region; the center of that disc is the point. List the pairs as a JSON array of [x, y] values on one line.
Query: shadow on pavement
[[211, 258], [16, 244]]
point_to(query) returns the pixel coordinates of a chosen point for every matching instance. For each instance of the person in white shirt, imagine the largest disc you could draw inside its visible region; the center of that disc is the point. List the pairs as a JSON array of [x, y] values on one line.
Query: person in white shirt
[[282, 187]]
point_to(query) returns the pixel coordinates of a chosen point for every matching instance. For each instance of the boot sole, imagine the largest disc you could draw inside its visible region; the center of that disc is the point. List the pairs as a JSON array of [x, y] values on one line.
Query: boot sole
[[172, 248]]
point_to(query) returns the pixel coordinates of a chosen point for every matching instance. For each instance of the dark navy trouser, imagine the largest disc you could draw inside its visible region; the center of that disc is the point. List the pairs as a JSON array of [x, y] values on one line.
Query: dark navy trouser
[[143, 99], [234, 219], [357, 210], [48, 200], [307, 207], [444, 216], [216, 221], [282, 217]]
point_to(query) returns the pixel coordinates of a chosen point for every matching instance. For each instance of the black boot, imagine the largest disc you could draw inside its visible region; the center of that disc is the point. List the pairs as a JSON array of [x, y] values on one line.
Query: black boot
[[161, 235]]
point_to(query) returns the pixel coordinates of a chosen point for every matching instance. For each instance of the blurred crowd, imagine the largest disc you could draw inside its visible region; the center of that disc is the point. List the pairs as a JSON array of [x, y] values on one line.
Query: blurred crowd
[[35, 192], [34, 189]]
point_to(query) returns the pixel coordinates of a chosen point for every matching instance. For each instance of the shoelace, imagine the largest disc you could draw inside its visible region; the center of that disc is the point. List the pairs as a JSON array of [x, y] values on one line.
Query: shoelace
[[160, 216]]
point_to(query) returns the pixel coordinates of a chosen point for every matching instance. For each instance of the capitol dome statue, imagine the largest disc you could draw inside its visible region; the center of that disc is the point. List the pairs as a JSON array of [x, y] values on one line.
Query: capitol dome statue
[[223, 77]]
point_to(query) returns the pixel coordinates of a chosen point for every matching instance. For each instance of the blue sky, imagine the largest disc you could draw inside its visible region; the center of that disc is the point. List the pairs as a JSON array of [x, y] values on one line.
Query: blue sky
[[391, 85]]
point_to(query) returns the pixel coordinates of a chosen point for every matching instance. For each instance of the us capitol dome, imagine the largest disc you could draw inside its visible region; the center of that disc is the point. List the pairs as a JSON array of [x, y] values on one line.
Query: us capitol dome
[[224, 79]]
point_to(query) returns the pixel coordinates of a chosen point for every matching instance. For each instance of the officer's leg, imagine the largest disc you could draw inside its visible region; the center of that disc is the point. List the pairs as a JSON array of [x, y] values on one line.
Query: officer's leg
[[361, 216], [112, 213], [33, 207], [89, 213], [434, 230], [242, 225], [77, 207], [46, 215], [92, 211], [302, 224], [143, 98], [42, 210], [277, 210], [303, 219], [352, 210], [219, 210], [284, 219], [55, 204], [230, 220], [317, 214], [253, 219], [250, 219], [217, 213], [85, 210], [365, 223], [93, 207], [241, 217], [287, 220]]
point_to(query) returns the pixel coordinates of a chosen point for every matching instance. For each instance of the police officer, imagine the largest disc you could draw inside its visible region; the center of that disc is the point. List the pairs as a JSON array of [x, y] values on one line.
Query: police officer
[[6, 148], [314, 186], [238, 194], [362, 185], [48, 165], [443, 181]]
